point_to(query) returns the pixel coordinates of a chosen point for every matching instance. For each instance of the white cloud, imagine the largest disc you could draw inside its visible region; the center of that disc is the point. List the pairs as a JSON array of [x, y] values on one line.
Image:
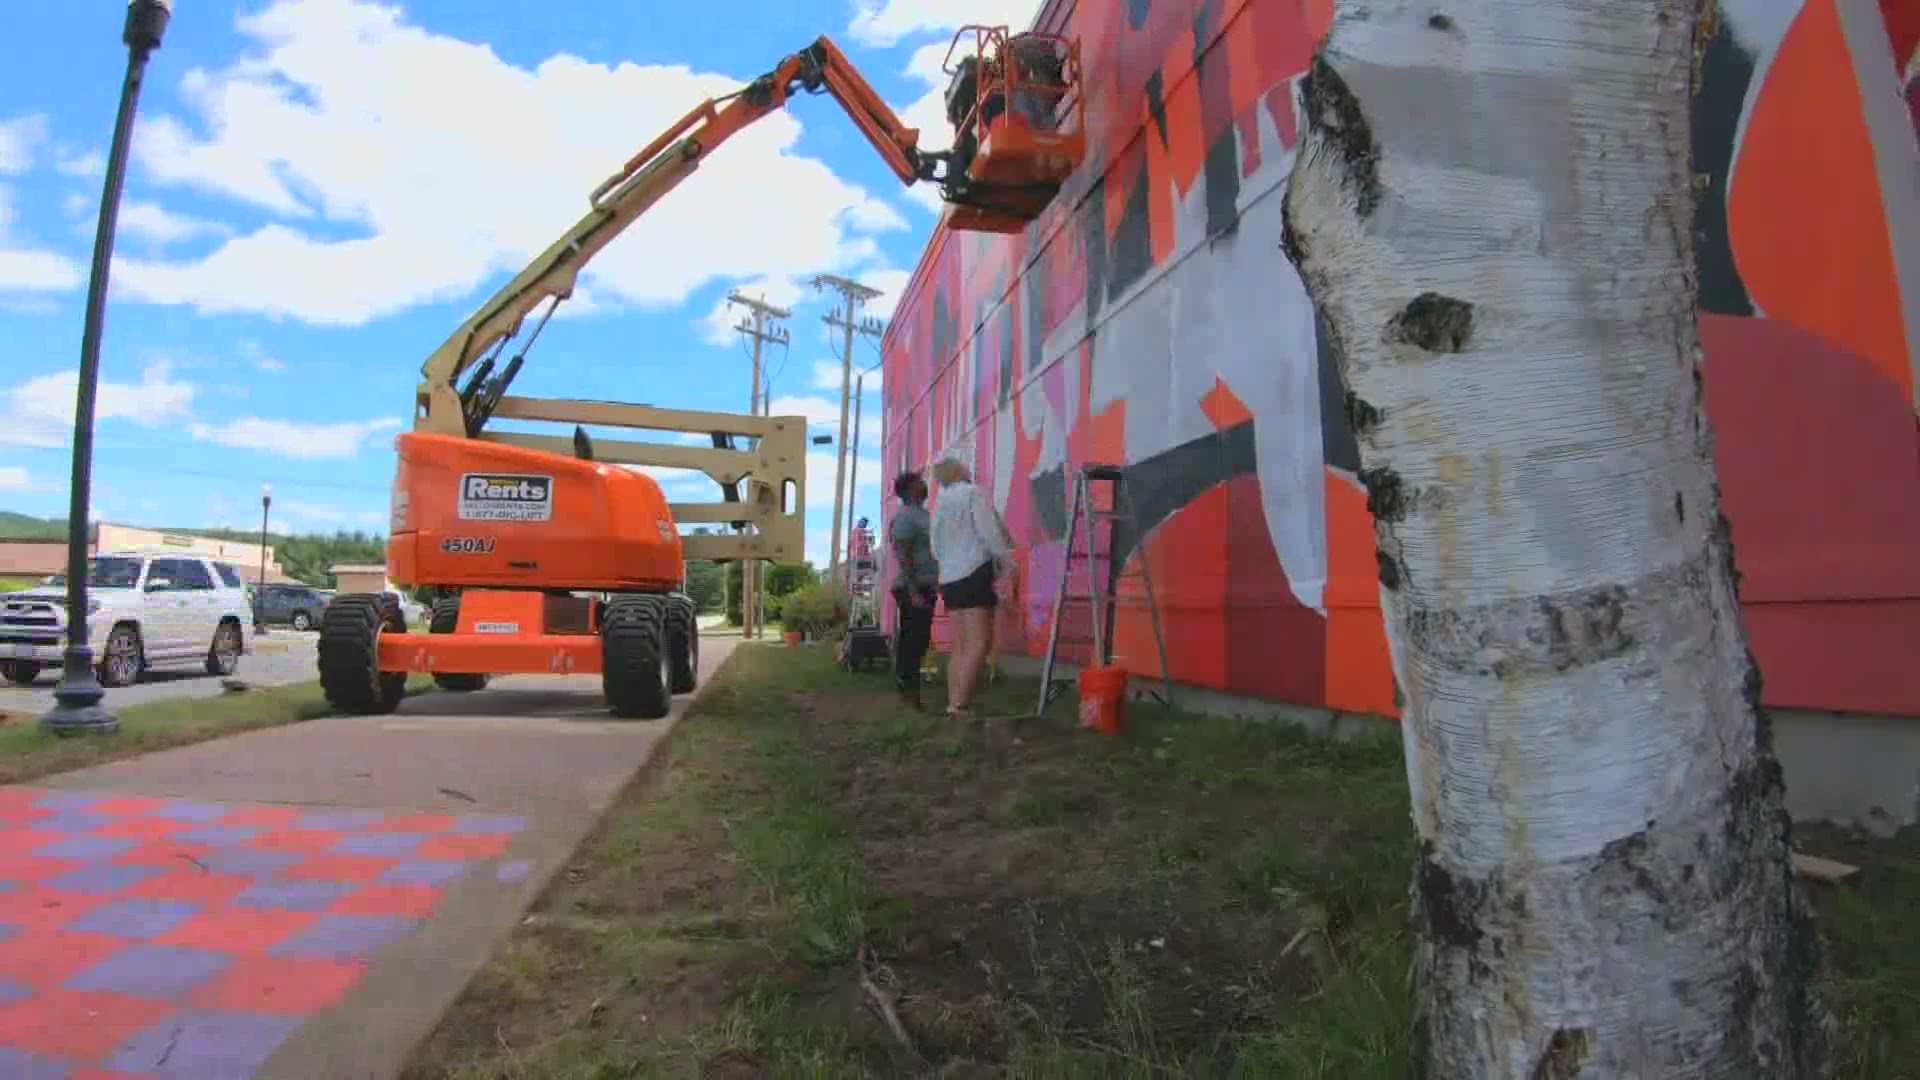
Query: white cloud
[[88, 165], [37, 271], [151, 221], [14, 480], [305, 442], [20, 140], [39, 412], [817, 410], [397, 138], [820, 467], [886, 22], [722, 322], [327, 514], [261, 361], [680, 485]]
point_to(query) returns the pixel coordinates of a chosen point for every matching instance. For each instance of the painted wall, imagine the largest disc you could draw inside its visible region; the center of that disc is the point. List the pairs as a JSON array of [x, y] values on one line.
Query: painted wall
[[1151, 320]]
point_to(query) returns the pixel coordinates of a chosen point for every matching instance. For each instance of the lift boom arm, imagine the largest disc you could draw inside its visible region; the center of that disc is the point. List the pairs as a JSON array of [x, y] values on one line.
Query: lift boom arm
[[620, 201]]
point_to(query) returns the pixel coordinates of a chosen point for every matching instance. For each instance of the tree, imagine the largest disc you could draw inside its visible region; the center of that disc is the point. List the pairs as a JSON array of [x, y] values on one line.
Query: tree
[[1491, 209]]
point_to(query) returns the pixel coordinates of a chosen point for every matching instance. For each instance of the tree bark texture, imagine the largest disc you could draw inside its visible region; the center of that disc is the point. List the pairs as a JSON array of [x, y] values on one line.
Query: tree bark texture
[[1492, 207]]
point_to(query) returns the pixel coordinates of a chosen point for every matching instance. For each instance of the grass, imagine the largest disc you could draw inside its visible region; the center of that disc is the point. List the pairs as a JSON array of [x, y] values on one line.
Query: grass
[[1198, 898], [15, 584], [26, 752]]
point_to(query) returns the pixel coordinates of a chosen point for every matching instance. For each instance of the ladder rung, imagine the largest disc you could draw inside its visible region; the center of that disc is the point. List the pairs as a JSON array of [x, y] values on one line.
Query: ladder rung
[[1101, 472]]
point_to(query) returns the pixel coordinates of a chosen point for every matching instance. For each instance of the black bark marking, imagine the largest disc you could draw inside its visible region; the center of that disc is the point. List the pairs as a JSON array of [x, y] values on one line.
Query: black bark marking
[[1389, 571], [1450, 905], [1334, 111], [1680, 508], [1361, 415], [1440, 21], [1436, 323], [1339, 447], [1537, 635], [1566, 1052], [1386, 496]]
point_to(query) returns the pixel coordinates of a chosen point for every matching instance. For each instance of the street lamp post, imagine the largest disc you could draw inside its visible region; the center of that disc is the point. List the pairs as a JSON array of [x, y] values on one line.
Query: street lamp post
[[77, 707], [260, 583]]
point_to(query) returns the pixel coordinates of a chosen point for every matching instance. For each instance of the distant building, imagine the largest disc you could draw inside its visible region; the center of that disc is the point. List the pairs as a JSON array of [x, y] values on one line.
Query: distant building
[[22, 557], [357, 578]]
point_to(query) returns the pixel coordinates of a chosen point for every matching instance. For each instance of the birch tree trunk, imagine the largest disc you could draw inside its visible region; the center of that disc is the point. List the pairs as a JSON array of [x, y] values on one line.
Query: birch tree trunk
[[1492, 208]]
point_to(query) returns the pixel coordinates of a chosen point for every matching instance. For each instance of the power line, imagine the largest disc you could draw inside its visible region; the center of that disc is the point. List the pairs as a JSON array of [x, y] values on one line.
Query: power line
[[847, 317]]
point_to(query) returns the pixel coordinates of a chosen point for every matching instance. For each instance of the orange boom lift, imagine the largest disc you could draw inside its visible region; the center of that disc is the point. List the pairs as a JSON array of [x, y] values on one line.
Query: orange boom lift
[[544, 554]]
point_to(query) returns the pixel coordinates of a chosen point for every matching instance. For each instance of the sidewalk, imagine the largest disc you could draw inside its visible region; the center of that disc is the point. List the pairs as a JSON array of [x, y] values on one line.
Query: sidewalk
[[301, 902]]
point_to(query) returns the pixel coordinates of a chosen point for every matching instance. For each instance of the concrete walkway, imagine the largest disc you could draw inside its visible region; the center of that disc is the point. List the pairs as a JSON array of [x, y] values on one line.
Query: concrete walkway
[[301, 902]]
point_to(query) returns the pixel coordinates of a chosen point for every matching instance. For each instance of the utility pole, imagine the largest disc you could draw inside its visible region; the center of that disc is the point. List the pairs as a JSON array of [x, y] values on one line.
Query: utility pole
[[761, 324], [852, 294]]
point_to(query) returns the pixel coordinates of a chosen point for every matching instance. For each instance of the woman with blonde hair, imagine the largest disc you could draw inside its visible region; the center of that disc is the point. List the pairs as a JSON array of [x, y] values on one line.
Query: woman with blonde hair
[[972, 548]]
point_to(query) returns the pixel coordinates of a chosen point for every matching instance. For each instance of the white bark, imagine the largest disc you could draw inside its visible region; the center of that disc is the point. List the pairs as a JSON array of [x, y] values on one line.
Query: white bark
[[1492, 206]]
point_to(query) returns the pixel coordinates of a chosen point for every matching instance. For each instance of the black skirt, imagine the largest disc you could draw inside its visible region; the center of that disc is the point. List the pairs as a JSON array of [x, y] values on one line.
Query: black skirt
[[973, 591]]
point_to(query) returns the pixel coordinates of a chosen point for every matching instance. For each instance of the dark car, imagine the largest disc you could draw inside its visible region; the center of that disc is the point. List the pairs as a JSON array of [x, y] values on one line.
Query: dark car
[[299, 606]]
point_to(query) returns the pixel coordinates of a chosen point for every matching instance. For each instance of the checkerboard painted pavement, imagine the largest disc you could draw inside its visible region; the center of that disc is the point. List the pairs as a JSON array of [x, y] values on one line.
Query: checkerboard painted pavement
[[169, 938]]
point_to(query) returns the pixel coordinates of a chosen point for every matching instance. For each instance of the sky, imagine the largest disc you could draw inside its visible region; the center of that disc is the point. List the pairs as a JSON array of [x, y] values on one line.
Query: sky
[[321, 191]]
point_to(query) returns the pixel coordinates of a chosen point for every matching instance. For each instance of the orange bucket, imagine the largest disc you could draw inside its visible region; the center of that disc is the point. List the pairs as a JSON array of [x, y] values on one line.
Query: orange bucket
[[1103, 699]]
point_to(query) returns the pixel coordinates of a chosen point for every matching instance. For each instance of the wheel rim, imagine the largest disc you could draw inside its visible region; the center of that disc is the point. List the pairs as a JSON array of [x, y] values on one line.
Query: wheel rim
[[300, 621], [122, 661], [226, 646]]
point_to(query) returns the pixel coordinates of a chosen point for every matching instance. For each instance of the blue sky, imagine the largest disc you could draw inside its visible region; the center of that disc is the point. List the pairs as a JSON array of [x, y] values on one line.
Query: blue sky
[[322, 190]]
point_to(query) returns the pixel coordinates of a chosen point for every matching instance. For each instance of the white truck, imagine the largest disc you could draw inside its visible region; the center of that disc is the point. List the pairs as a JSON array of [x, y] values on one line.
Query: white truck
[[145, 610]]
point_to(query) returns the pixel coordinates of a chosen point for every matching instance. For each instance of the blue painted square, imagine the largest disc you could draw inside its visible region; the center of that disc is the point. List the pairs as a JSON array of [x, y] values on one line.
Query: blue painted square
[[69, 800], [293, 895], [204, 1046], [88, 847], [11, 992], [151, 971], [188, 811], [218, 835], [20, 1065], [394, 845], [488, 825], [337, 820], [346, 936], [247, 862], [422, 873], [139, 920], [8, 931], [103, 879], [72, 821]]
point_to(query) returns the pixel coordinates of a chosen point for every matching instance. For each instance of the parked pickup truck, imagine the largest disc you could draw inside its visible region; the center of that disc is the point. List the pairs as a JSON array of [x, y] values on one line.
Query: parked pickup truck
[[145, 610]]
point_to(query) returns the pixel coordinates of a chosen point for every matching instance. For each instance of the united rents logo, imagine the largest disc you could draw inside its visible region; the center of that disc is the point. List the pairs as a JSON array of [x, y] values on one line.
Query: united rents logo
[[505, 497]]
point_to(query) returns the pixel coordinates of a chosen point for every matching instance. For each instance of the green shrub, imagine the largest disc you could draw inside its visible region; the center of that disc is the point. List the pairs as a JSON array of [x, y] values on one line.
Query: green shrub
[[813, 609]]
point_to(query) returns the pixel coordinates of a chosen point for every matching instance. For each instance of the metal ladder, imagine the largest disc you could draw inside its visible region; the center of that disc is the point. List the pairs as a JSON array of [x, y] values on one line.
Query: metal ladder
[[1099, 595]]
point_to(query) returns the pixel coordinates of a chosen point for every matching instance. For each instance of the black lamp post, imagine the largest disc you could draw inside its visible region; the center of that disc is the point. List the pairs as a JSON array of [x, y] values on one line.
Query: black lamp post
[[260, 584], [77, 709]]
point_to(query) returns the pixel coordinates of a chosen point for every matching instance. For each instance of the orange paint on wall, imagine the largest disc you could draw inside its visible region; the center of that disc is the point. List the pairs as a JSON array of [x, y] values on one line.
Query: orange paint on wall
[[1807, 159], [1187, 556], [1359, 668], [1186, 130]]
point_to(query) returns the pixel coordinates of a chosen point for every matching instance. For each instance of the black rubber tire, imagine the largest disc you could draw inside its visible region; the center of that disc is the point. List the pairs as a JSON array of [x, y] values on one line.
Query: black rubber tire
[[633, 643], [350, 674], [20, 672], [445, 619], [128, 635], [683, 645], [230, 634], [301, 621]]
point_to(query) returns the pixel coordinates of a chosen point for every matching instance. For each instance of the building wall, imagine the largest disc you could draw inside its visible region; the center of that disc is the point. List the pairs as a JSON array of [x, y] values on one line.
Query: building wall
[[1150, 319], [41, 557]]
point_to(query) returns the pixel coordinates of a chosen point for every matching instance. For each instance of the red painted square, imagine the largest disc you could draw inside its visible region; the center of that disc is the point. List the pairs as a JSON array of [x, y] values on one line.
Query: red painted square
[[45, 960], [20, 796], [279, 985], [238, 929], [263, 817], [19, 817], [36, 909], [109, 1074], [192, 885], [164, 853], [415, 823], [26, 841], [33, 868], [143, 828], [84, 1027], [299, 840], [131, 806], [412, 901], [339, 868], [464, 847]]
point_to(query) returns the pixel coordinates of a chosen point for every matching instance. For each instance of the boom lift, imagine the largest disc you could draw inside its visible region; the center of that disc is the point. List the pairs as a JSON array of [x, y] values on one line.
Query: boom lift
[[545, 555]]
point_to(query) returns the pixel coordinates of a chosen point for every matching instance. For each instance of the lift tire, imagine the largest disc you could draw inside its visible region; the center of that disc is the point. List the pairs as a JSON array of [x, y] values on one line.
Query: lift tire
[[445, 619], [633, 644], [683, 645], [350, 675]]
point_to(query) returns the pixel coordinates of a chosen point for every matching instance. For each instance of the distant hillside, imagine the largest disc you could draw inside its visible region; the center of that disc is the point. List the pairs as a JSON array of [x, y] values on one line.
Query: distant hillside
[[24, 527], [305, 556]]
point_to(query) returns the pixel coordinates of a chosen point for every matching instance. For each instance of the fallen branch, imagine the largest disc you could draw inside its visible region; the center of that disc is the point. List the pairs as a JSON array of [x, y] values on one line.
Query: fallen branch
[[884, 1002]]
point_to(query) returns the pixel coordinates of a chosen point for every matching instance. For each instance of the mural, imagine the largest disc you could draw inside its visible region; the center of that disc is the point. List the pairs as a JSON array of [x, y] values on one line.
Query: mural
[[1150, 320]]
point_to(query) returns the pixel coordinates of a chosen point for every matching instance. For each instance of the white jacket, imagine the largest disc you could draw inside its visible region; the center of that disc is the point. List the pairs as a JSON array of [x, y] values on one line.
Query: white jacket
[[966, 532]]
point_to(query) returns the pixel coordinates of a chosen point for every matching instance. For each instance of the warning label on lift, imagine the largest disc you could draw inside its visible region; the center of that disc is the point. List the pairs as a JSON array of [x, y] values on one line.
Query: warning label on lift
[[505, 497]]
